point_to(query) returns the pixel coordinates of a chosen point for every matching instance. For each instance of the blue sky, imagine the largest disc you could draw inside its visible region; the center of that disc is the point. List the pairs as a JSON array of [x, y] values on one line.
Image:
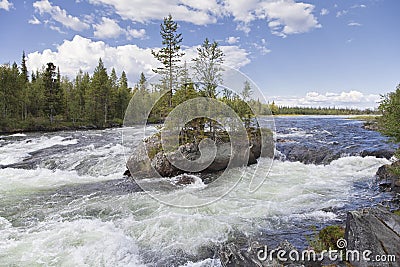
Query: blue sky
[[310, 53]]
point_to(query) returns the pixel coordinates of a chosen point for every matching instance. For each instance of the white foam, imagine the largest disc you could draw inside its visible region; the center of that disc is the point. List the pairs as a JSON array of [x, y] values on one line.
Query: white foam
[[18, 135], [77, 243], [4, 223], [21, 181], [17, 151], [102, 161], [296, 133], [196, 184], [204, 263]]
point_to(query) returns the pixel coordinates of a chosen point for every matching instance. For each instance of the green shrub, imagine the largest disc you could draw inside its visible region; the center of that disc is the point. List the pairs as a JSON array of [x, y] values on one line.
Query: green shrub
[[326, 238], [152, 151]]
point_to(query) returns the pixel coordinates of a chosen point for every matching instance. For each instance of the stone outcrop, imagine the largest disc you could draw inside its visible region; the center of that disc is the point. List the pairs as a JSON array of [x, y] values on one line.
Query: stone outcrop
[[151, 161], [387, 179], [376, 230]]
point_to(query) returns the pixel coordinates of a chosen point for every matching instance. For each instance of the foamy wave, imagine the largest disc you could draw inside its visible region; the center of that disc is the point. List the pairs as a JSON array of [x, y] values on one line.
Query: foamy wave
[[18, 135], [17, 151], [76, 243], [16, 181]]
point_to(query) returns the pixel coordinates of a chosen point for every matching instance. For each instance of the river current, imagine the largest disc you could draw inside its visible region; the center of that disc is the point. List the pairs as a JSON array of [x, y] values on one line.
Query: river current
[[65, 202]]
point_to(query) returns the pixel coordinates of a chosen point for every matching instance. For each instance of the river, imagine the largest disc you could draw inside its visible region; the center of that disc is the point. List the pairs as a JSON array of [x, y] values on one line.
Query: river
[[64, 201]]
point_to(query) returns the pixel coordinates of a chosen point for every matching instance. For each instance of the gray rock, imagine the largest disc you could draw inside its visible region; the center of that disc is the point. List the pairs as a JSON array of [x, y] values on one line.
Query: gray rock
[[387, 178], [309, 155], [380, 153], [376, 230], [141, 166], [162, 165]]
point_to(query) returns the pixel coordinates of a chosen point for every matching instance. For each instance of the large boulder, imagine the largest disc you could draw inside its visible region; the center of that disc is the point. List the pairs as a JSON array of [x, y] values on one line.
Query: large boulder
[[373, 229], [387, 178], [149, 159]]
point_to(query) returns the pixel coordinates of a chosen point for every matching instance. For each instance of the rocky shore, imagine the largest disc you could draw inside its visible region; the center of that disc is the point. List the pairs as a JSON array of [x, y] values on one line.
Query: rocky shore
[[388, 179], [375, 230]]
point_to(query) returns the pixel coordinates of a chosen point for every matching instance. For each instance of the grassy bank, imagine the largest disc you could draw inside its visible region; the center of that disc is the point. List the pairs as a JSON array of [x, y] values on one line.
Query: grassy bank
[[44, 125]]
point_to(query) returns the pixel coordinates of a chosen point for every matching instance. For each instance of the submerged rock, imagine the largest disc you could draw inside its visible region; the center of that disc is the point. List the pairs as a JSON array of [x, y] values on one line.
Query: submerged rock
[[380, 153], [309, 155], [312, 154], [376, 230]]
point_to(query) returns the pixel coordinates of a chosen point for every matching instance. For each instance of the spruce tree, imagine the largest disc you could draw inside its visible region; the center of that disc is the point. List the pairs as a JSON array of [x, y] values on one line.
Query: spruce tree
[[51, 86], [24, 69], [124, 96], [98, 96], [113, 96], [169, 55], [25, 88], [142, 82]]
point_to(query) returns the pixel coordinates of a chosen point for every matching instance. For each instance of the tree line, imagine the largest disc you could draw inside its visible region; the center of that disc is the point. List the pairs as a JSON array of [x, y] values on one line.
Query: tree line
[[46, 100], [272, 108]]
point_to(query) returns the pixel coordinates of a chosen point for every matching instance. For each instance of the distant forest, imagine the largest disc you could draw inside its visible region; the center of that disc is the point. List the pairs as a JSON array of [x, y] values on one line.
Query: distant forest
[[45, 100]]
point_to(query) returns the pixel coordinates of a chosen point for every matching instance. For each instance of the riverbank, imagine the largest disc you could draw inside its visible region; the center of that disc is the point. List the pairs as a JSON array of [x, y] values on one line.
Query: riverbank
[[44, 125]]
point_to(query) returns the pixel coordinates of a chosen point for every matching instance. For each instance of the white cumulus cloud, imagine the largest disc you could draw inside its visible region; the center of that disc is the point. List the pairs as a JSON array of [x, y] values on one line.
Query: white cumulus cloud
[[350, 99], [109, 28], [262, 48], [134, 33], [4, 4], [232, 40], [197, 12], [34, 21], [82, 53], [60, 15], [354, 24], [324, 12], [288, 16], [341, 13]]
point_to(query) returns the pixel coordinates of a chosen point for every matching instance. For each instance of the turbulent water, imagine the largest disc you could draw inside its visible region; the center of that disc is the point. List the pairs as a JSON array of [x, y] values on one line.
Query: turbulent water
[[64, 202]]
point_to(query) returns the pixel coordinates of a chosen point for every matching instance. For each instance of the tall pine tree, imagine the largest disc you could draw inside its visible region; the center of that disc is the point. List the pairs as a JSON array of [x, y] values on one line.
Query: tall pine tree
[[169, 55], [97, 102], [52, 91]]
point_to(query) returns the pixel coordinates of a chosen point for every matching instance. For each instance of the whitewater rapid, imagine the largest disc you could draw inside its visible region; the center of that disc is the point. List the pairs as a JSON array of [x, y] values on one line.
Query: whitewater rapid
[[70, 207]]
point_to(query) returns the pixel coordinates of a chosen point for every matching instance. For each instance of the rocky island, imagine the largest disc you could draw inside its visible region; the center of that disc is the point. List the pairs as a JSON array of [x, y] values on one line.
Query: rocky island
[[151, 159]]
